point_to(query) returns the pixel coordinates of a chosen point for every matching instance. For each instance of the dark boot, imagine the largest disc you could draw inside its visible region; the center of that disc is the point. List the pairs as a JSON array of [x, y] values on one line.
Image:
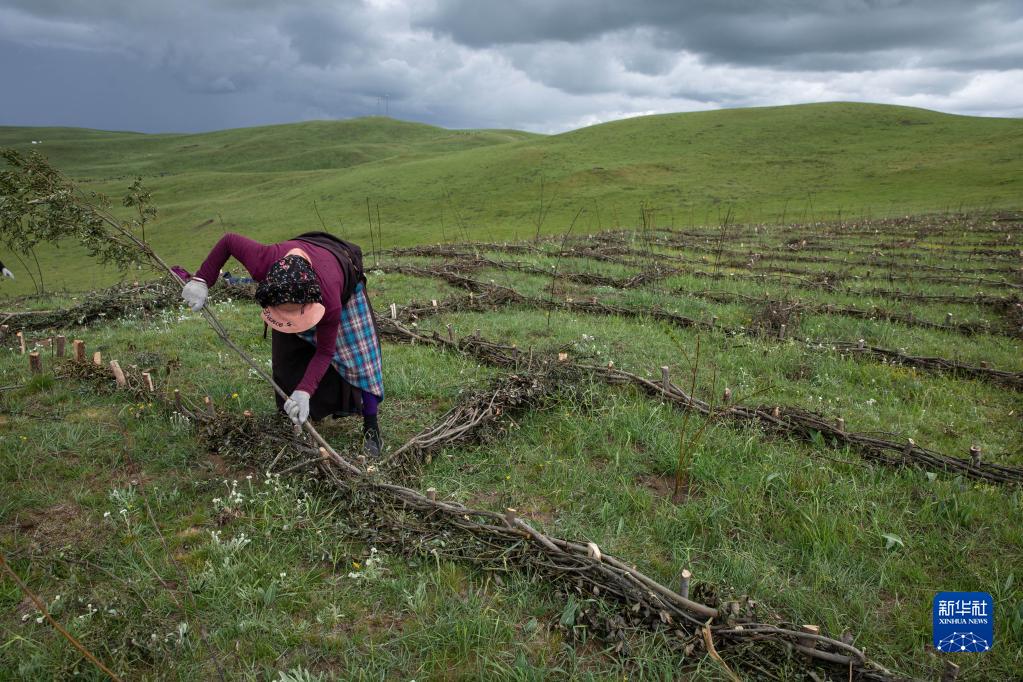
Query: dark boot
[[371, 443]]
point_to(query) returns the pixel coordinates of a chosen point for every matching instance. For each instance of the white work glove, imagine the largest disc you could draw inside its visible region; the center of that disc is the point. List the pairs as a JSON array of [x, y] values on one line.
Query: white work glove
[[297, 406], [194, 293]]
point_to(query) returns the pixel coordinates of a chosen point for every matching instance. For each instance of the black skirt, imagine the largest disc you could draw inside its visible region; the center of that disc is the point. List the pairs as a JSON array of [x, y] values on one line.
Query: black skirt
[[290, 355]]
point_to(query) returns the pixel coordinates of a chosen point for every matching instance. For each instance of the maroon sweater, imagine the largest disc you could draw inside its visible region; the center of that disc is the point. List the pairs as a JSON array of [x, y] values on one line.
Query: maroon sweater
[[257, 259]]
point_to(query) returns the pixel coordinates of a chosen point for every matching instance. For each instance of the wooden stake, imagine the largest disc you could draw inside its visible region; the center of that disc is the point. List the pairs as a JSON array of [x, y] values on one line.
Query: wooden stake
[[975, 455], [860, 344], [683, 583], [4, 330], [948, 319], [840, 425], [97, 359], [394, 311], [908, 450], [79, 350], [562, 357], [451, 334], [727, 397], [950, 673], [433, 302], [35, 363], [714, 321], [431, 494], [808, 642], [61, 343], [177, 402], [665, 378], [781, 331], [509, 516], [148, 378], [209, 406], [984, 364], [119, 377], [776, 412], [21, 341], [362, 461]]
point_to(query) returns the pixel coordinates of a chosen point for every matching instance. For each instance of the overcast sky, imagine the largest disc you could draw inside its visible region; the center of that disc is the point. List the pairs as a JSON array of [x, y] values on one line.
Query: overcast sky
[[540, 65]]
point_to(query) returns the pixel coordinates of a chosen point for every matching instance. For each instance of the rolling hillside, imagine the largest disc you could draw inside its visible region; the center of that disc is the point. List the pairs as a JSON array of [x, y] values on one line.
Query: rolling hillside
[[434, 184]]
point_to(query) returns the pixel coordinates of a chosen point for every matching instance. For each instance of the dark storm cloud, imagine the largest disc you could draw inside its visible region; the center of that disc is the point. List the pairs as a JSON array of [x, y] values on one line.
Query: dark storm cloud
[[740, 32], [544, 65]]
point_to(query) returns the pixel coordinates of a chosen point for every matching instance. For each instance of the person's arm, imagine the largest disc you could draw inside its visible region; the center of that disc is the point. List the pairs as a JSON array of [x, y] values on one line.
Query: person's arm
[[326, 343], [254, 256]]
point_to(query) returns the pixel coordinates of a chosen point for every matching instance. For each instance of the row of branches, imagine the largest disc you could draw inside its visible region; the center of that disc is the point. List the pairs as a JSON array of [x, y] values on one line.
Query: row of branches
[[876, 259], [829, 281], [1007, 305], [774, 320]]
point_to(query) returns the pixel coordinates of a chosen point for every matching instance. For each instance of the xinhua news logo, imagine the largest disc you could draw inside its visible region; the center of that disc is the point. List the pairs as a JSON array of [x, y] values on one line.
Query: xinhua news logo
[[964, 622]]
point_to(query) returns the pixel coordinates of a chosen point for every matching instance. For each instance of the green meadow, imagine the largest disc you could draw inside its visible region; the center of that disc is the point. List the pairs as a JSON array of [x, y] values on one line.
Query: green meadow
[[426, 184], [174, 555]]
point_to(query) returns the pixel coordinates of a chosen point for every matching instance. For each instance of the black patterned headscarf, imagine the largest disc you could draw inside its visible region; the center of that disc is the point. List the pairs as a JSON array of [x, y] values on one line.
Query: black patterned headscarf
[[290, 280]]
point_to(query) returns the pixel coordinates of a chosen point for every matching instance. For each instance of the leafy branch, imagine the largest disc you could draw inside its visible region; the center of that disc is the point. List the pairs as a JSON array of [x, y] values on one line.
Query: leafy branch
[[40, 205]]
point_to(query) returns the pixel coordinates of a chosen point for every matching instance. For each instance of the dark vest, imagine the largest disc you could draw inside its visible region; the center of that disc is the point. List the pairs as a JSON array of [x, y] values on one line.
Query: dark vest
[[348, 255]]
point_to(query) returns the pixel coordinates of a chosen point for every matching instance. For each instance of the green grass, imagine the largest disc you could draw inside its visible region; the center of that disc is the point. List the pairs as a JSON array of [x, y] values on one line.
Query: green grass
[[279, 576], [803, 162]]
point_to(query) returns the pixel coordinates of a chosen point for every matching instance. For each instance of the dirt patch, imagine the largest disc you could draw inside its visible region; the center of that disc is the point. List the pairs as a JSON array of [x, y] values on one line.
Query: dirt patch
[[219, 465], [663, 486], [104, 415], [62, 525]]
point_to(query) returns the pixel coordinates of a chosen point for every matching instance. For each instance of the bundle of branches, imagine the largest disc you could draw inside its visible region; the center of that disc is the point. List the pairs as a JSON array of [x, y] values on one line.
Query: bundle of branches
[[486, 299], [776, 318], [249, 439], [118, 301], [476, 416], [101, 378]]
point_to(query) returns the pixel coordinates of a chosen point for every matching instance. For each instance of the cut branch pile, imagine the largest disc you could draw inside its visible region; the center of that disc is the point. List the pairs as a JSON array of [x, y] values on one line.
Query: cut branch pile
[[116, 302]]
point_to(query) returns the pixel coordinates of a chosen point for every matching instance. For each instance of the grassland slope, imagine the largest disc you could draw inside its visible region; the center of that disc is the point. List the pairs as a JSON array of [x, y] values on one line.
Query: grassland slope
[[430, 184]]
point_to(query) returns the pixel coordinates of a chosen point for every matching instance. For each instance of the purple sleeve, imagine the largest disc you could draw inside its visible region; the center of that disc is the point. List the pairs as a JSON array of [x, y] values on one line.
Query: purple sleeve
[[256, 257], [326, 341]]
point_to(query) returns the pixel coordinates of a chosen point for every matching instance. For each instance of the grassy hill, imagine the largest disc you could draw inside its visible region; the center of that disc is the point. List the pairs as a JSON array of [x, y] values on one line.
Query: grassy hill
[[430, 184]]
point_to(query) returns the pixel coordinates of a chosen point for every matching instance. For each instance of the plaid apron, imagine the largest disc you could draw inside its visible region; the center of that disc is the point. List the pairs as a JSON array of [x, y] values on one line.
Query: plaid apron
[[357, 354]]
